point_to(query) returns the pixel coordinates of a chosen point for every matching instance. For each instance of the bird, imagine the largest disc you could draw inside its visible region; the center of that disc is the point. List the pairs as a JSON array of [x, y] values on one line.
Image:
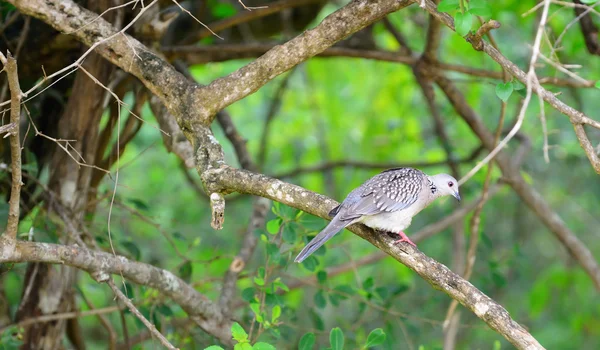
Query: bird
[[388, 201]]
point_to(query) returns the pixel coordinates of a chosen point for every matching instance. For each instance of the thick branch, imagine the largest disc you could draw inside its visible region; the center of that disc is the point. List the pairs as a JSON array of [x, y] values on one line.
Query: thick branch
[[188, 102], [438, 275], [206, 313]]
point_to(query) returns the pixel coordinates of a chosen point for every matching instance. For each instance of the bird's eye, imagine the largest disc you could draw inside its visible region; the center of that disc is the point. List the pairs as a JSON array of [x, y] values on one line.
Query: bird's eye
[[450, 184]]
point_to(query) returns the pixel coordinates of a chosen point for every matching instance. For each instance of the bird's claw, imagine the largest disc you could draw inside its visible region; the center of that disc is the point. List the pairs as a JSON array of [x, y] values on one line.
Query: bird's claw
[[404, 238]]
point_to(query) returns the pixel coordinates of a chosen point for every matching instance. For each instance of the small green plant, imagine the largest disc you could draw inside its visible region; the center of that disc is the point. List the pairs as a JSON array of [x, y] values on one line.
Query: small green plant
[[464, 12]]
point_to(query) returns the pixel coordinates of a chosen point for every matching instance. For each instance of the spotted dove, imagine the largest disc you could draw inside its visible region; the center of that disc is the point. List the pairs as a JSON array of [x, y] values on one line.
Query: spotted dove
[[388, 201]]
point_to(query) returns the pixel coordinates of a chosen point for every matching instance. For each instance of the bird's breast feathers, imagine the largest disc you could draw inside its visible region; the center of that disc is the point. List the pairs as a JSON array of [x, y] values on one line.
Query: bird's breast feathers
[[392, 221]]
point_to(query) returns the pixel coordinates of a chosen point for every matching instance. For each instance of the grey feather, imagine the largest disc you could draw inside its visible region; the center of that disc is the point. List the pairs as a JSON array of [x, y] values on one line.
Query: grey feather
[[389, 191]]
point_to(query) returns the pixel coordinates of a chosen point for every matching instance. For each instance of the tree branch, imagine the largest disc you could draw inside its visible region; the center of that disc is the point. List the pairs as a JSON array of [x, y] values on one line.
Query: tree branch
[[438, 275], [513, 176], [576, 117], [367, 165], [10, 66], [103, 277], [206, 314]]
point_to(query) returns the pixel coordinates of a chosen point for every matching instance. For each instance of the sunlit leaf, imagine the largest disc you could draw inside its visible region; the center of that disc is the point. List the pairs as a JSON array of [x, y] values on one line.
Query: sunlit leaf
[[263, 346], [238, 332], [462, 23], [448, 5], [480, 8], [275, 313], [273, 226]]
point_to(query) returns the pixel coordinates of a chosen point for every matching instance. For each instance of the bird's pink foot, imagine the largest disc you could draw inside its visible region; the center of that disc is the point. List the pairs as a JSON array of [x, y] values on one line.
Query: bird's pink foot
[[404, 238]]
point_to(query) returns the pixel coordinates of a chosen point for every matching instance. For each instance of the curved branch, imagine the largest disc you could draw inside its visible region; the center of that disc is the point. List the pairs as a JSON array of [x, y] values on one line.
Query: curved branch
[[190, 103], [438, 275], [206, 313]]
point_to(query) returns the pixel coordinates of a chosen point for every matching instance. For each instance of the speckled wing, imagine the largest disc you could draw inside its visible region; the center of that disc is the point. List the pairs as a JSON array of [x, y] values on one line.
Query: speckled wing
[[389, 191]]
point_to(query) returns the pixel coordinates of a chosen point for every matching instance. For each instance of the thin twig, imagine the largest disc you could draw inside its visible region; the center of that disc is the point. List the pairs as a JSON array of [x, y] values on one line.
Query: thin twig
[[108, 280], [531, 80], [62, 316]]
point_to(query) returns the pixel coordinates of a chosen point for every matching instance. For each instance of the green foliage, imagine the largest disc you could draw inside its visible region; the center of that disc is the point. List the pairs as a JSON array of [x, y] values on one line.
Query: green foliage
[[336, 339], [463, 23], [11, 338], [338, 109], [376, 337], [307, 342], [504, 90]]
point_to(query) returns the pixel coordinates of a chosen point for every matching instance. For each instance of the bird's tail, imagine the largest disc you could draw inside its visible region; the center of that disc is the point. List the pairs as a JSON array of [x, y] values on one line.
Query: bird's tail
[[335, 226]]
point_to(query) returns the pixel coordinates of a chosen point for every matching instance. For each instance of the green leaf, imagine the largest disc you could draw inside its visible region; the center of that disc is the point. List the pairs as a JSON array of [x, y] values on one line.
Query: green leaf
[[185, 271], [497, 345], [503, 91], [336, 339], [345, 291], [259, 281], [480, 8], [138, 204], [597, 85], [589, 1], [248, 294], [238, 333], [307, 342], [448, 5], [273, 226], [517, 85], [214, 347], [376, 337], [165, 310], [320, 299], [242, 346], [289, 234], [263, 346], [222, 10], [462, 23], [310, 263], [256, 308], [322, 276], [275, 313], [132, 248], [273, 251], [278, 284], [368, 283]]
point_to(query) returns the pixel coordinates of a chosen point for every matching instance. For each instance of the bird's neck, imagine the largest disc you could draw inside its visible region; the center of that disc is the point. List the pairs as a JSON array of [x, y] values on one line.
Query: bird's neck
[[434, 191]]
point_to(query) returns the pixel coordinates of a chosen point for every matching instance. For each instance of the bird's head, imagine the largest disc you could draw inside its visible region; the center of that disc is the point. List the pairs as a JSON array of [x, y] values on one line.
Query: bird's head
[[446, 185]]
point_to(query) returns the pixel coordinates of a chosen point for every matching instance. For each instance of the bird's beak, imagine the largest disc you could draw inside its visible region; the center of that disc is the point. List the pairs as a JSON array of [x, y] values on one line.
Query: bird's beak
[[456, 195]]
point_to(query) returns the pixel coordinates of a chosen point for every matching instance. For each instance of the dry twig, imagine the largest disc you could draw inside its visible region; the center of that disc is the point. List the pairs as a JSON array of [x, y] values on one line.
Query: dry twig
[[10, 66]]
